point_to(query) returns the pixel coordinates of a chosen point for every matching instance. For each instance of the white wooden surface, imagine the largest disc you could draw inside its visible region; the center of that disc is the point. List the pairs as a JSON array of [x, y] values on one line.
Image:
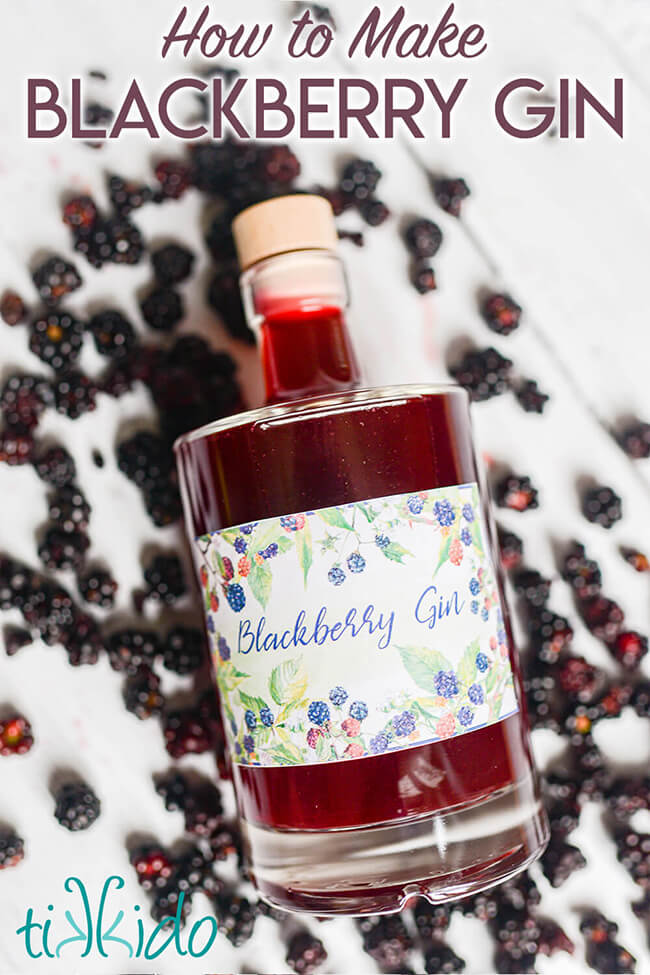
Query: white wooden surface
[[564, 226]]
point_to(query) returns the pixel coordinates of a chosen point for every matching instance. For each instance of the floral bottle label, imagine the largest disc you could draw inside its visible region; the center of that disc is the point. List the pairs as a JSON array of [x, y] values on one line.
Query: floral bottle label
[[356, 630]]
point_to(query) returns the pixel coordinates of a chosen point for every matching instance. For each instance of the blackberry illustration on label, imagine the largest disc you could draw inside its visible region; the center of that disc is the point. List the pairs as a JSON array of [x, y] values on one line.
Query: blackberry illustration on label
[[356, 630]]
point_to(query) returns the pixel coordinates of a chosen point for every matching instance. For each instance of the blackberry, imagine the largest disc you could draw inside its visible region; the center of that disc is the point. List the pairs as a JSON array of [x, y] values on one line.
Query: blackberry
[[80, 213], [582, 573], [55, 466], [530, 398], [359, 710], [266, 717], [603, 953], [236, 918], [153, 865], [165, 579], [356, 562], [423, 278], [532, 587], [15, 638], [483, 906], [484, 373], [603, 617], [12, 848], [374, 212], [203, 809], [224, 296], [225, 842], [338, 696], [634, 855], [602, 506], [54, 279], [431, 920], [220, 240], [305, 953], [146, 460], [63, 549], [511, 548], [629, 648], [49, 609], [84, 643], [236, 597], [580, 680], [625, 797], [278, 165], [552, 938], [162, 309], [172, 264], [439, 957], [174, 177], [450, 193], [16, 447], [95, 241], [387, 941], [114, 336], [635, 440], [640, 700], [516, 493], [74, 394], [360, 179], [98, 587], [501, 313], [193, 872], [593, 776], [517, 935], [77, 806], [546, 703], [186, 732], [638, 561], [69, 509], [423, 238], [549, 634], [118, 379], [212, 166], [163, 504], [142, 696], [128, 650], [318, 713], [184, 650], [23, 399], [126, 195], [12, 308], [169, 901], [15, 735]]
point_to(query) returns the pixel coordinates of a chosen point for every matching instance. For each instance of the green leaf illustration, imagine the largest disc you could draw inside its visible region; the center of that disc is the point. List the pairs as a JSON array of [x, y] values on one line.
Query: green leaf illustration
[[367, 512], [207, 599], [477, 539], [229, 677], [491, 680], [254, 704], [396, 552], [444, 555], [288, 682], [264, 535], [286, 754], [332, 516], [260, 579], [467, 666], [304, 550], [229, 535], [284, 543], [422, 665], [322, 748]]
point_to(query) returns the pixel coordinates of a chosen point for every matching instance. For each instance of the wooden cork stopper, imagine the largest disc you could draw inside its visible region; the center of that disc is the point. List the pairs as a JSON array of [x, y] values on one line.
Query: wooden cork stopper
[[286, 223]]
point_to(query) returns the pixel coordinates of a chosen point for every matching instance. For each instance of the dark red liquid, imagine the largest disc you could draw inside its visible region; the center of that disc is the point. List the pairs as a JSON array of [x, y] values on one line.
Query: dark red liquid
[[331, 456]]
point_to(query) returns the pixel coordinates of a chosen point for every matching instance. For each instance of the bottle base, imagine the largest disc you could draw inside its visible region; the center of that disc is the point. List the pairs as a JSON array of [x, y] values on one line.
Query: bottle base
[[379, 869]]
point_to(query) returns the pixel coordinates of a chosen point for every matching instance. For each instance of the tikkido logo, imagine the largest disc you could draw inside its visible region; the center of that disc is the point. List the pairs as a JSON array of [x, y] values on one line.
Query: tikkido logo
[[93, 929]]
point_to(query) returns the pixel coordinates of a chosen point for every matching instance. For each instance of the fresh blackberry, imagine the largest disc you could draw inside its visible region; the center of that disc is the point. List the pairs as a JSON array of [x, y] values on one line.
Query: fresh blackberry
[[15, 735], [15, 638], [12, 848], [616, 697], [484, 373], [23, 399], [84, 643], [225, 842], [602, 507], [629, 648], [337, 199], [74, 394], [172, 264], [634, 854], [552, 938], [278, 165], [516, 493], [50, 610], [625, 797], [224, 296], [80, 213], [423, 238], [212, 166], [532, 587], [163, 504], [165, 578], [236, 918], [126, 195], [220, 240], [170, 901], [174, 177], [98, 587], [603, 617], [55, 466], [63, 549], [186, 732], [640, 700], [635, 440], [77, 806], [16, 446], [54, 279], [562, 806], [547, 704], [203, 809], [142, 695], [128, 650], [590, 771], [530, 398], [114, 336], [501, 313], [374, 212], [12, 308], [184, 649], [68, 509], [511, 548], [580, 680], [305, 953], [153, 865], [582, 573], [550, 634], [360, 179], [431, 920], [174, 789], [638, 561], [450, 194], [388, 942], [146, 460], [162, 309], [423, 277], [95, 241], [439, 957], [603, 953], [193, 872]]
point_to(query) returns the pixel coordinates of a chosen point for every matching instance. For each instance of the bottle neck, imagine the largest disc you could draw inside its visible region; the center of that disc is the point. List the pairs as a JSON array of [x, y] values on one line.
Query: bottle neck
[[296, 303]]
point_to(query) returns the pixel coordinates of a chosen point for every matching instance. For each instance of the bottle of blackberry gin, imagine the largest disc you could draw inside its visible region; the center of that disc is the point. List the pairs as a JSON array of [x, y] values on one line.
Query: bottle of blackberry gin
[[363, 654]]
